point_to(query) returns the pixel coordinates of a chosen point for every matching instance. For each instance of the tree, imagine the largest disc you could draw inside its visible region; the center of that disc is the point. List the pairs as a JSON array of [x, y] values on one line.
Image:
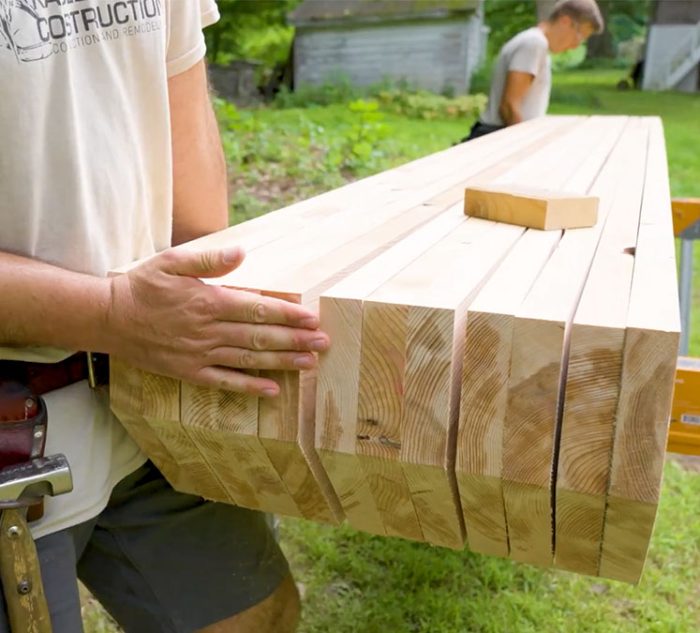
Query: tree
[[507, 18], [248, 26], [602, 45]]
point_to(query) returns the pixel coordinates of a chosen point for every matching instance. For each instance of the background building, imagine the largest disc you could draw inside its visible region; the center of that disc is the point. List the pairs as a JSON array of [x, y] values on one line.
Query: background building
[[673, 47], [435, 44]]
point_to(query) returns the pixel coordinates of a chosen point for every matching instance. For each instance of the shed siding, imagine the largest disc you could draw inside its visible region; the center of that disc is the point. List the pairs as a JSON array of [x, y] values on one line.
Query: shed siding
[[431, 55], [662, 42]]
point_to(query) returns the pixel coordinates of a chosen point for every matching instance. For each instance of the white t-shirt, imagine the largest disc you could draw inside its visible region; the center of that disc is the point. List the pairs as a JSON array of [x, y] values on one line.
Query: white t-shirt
[[527, 52], [86, 179]]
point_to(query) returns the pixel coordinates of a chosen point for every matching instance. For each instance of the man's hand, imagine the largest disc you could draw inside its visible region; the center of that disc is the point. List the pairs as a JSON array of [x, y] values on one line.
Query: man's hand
[[164, 319]]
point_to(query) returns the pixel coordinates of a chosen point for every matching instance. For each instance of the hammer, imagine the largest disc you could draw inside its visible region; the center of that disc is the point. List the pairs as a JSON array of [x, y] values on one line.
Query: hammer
[[22, 485]]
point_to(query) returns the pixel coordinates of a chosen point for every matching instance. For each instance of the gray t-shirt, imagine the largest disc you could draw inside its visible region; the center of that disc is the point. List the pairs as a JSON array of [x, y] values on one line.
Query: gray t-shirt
[[527, 52]]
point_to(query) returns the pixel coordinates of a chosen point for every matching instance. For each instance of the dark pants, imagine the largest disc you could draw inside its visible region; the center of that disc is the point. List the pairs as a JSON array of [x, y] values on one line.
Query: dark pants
[[480, 129], [159, 561]]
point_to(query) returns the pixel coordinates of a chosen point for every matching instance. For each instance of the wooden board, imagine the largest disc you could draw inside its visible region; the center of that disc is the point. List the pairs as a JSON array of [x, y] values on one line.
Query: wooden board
[[149, 407], [409, 374], [593, 378], [219, 424], [484, 391], [487, 362], [487, 382], [539, 343], [544, 209], [339, 369], [355, 244], [349, 482], [648, 369]]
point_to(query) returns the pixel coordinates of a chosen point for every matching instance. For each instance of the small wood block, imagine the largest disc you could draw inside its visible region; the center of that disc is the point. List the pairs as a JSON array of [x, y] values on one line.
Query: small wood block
[[535, 208]]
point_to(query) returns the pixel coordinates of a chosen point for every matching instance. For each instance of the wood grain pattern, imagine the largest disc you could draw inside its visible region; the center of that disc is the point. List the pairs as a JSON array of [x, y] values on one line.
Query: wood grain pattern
[[430, 350], [595, 362], [544, 209], [337, 394], [489, 383], [648, 369], [538, 360], [484, 390], [223, 426], [149, 407]]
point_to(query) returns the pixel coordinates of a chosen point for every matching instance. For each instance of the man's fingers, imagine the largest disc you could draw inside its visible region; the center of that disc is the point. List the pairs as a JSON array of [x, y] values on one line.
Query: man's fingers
[[238, 358], [267, 338], [242, 306], [231, 380], [213, 263]]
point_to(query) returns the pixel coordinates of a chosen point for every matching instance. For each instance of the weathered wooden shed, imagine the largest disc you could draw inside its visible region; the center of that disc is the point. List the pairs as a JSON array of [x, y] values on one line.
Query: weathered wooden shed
[[672, 57], [432, 44]]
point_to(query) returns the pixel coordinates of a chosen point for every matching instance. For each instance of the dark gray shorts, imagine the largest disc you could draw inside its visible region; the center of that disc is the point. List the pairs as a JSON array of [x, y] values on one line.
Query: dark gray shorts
[[160, 561]]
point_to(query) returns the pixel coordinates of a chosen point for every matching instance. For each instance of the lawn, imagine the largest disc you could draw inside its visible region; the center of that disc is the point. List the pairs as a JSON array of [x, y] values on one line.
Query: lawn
[[356, 583]]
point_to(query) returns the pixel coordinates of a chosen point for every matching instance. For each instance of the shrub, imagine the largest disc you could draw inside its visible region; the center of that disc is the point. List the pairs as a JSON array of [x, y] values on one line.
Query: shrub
[[426, 105]]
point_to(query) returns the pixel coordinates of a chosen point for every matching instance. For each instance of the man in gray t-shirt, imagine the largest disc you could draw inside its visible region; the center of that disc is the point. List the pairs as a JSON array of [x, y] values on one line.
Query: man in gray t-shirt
[[522, 75]]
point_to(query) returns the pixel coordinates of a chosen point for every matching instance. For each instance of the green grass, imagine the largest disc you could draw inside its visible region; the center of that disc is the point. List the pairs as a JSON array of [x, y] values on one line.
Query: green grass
[[356, 583]]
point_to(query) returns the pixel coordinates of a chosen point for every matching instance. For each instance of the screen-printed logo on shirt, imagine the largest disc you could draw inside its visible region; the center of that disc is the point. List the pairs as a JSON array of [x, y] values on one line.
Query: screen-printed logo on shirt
[[32, 30]]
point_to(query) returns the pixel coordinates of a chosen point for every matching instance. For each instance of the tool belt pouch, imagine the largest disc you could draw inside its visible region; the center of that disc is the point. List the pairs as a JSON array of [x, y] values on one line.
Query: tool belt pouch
[[23, 423]]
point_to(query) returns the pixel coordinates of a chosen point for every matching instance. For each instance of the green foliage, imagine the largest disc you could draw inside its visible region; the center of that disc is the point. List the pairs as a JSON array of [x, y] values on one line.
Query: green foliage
[[251, 30], [271, 161], [427, 105], [337, 89], [398, 98], [506, 18]]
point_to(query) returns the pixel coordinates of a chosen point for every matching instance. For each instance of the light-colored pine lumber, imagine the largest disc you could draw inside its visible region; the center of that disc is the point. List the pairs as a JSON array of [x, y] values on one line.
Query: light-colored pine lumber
[[544, 209], [387, 437], [279, 423], [281, 420], [648, 369], [338, 386], [271, 266], [490, 324], [411, 367], [593, 377], [484, 391], [219, 424], [149, 407], [337, 413], [540, 339]]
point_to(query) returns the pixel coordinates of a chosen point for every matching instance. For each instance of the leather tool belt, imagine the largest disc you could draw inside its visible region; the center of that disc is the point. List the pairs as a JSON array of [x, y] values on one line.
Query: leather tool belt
[[41, 378], [23, 419], [25, 476], [22, 434]]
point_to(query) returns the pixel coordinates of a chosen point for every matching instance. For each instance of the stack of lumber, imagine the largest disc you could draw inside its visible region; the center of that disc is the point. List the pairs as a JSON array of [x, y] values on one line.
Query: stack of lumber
[[488, 385]]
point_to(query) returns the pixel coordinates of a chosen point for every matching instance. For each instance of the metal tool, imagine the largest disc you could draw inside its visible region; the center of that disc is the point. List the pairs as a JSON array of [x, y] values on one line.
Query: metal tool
[[21, 486]]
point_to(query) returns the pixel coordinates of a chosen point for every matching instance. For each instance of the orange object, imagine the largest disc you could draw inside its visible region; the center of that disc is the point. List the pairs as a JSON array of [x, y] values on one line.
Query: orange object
[[684, 434], [686, 211]]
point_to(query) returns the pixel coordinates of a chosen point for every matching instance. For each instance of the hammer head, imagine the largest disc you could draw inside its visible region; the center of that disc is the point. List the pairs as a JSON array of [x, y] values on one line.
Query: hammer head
[[33, 479]]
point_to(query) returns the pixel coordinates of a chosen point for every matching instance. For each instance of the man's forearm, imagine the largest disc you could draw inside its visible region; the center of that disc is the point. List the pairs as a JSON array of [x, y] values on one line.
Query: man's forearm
[[200, 198], [43, 305]]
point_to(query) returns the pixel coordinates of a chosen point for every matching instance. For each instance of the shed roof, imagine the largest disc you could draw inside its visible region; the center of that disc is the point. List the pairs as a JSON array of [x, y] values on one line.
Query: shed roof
[[318, 11]]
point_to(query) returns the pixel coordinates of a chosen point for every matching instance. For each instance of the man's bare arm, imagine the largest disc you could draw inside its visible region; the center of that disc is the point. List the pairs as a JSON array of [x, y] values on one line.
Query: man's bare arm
[[517, 85], [200, 201], [159, 316]]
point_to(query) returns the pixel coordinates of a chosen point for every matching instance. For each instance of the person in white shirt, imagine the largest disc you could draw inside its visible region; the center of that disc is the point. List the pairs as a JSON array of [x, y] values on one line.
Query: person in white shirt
[[522, 77], [110, 153]]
